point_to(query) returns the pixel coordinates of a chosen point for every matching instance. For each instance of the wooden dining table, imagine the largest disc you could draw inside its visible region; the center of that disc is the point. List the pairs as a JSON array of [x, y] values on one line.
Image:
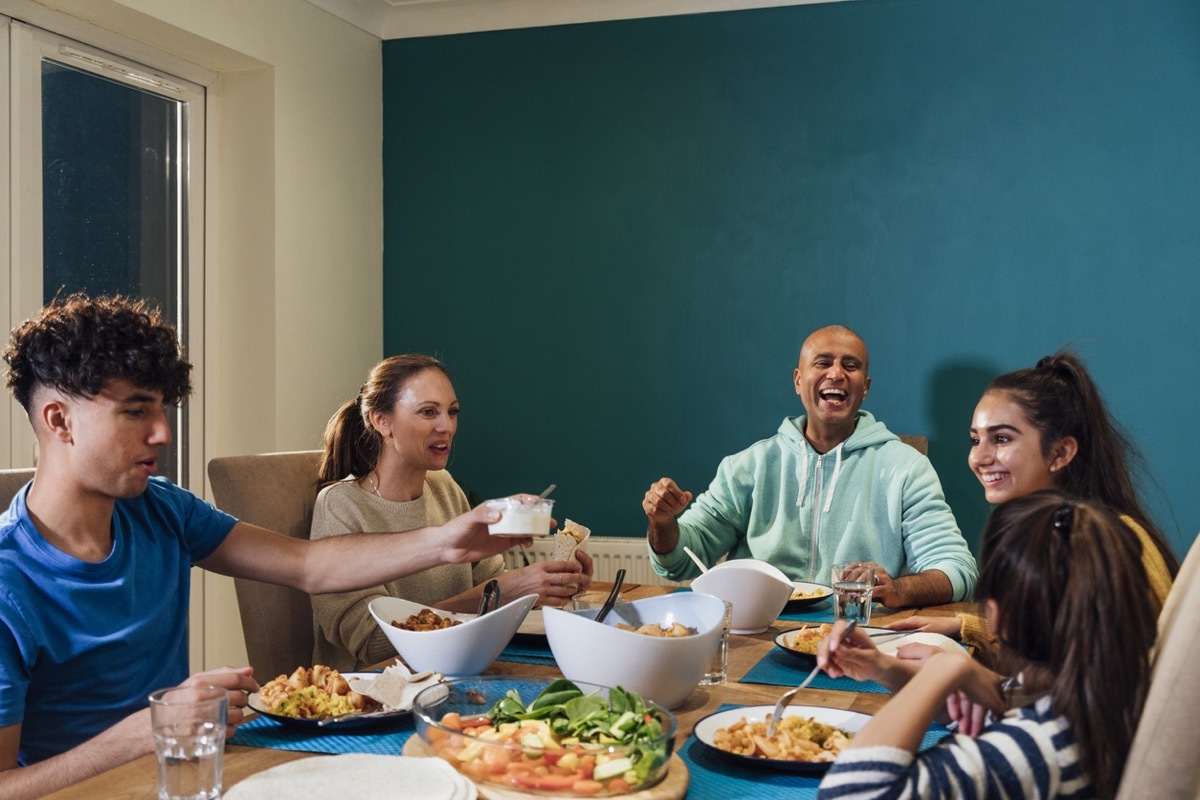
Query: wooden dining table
[[137, 780]]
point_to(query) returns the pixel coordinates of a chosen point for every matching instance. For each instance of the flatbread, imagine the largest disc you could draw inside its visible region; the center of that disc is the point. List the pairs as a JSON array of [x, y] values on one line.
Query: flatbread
[[572, 537], [356, 775]]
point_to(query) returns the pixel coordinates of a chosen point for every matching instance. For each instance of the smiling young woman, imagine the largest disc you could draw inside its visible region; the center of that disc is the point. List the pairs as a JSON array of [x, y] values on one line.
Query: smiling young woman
[[1047, 427]]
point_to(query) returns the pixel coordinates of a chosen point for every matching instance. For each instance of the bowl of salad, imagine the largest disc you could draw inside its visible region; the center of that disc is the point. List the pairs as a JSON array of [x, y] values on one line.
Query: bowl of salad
[[547, 736]]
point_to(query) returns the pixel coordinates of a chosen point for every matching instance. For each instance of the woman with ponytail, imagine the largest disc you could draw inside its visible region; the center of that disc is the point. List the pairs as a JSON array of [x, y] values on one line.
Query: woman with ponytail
[[1061, 583], [1048, 427], [384, 469]]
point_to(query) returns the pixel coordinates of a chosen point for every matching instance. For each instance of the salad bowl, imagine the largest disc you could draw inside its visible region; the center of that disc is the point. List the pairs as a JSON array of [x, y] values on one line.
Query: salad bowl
[[545, 735]]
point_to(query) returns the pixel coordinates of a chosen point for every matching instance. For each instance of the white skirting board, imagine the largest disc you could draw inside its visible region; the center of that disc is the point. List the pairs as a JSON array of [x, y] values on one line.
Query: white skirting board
[[609, 553]]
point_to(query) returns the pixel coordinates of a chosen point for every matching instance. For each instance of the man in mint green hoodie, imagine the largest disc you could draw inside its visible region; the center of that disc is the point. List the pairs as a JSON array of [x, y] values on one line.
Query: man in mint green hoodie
[[829, 487]]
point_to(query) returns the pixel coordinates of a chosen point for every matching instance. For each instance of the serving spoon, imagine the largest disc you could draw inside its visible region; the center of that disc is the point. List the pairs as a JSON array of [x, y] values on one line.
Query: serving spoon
[[695, 558], [612, 596]]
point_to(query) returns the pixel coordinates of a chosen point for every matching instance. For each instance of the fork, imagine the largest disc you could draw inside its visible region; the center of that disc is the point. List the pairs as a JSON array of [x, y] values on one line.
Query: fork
[[777, 714]]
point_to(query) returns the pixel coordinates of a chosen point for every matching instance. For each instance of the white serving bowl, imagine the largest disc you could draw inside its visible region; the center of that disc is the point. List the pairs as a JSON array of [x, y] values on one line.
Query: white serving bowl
[[462, 650], [662, 669], [757, 590]]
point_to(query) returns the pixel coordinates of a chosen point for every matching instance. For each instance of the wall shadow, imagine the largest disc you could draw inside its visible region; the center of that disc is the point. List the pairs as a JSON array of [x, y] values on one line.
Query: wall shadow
[[957, 387]]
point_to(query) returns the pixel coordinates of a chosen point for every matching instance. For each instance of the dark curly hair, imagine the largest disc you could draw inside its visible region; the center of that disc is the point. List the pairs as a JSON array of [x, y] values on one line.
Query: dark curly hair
[[78, 344]]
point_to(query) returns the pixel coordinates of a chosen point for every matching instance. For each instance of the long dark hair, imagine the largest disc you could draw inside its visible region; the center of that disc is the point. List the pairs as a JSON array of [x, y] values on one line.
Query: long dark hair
[[1072, 599], [1060, 400], [352, 444]]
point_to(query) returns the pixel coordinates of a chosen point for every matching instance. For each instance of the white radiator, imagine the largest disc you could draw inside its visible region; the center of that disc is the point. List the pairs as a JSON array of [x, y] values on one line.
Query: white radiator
[[609, 553]]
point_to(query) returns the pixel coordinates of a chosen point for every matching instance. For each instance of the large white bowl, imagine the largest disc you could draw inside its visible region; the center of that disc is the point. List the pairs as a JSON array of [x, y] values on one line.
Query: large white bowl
[[466, 649], [662, 669], [757, 590]]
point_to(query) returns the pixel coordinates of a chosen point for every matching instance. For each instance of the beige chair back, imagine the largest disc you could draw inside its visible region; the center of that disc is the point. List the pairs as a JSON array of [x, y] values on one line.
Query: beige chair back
[[11, 481], [1162, 762], [918, 443], [276, 491]]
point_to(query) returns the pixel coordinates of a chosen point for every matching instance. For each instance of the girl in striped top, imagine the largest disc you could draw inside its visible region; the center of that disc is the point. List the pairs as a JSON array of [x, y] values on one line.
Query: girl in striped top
[[1062, 584]]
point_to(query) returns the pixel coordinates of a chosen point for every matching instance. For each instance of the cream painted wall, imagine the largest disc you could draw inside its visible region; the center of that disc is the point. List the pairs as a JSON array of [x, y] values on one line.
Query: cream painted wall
[[293, 316]]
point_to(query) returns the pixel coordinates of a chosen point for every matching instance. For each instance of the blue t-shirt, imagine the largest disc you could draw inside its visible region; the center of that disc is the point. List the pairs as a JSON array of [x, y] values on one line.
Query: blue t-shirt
[[82, 645]]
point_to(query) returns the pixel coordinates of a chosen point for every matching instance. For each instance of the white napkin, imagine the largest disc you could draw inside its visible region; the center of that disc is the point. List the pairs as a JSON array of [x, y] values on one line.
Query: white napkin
[[395, 687]]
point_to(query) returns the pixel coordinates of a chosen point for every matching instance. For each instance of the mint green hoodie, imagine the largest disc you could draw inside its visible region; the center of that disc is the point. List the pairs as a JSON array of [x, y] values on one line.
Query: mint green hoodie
[[872, 498]]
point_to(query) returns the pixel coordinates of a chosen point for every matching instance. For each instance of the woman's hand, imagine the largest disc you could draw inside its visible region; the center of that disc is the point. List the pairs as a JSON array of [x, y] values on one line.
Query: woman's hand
[[855, 656], [916, 652], [970, 716], [554, 582], [947, 626]]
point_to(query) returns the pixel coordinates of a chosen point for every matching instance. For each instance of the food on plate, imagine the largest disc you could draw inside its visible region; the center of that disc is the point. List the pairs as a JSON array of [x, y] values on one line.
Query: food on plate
[[313, 692], [653, 629], [426, 620], [562, 741], [796, 739], [572, 537], [806, 639], [800, 594]]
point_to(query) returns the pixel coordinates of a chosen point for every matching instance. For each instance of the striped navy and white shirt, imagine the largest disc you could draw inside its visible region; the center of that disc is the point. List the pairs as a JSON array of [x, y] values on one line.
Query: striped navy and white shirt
[[1028, 753]]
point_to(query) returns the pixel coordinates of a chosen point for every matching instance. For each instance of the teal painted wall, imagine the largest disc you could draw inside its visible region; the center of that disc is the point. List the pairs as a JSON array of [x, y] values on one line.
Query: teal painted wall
[[618, 234]]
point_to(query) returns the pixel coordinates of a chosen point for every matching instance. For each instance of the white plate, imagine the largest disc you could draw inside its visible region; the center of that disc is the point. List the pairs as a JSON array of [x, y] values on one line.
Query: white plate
[[348, 724], [805, 602], [882, 637], [706, 729]]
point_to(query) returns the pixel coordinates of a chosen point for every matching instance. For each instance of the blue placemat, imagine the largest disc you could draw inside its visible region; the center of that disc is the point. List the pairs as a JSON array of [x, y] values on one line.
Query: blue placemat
[[266, 732], [714, 777], [527, 650], [777, 668], [817, 612]]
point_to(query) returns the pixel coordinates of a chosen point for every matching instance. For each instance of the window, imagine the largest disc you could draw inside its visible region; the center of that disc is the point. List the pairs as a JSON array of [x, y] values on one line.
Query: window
[[105, 194]]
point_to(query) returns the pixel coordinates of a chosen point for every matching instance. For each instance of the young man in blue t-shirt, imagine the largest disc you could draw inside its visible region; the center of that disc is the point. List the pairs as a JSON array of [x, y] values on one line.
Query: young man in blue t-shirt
[[96, 552]]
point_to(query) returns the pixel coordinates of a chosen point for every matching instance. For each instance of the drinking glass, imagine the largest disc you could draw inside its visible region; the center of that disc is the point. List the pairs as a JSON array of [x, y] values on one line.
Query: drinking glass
[[853, 585], [720, 662], [189, 741]]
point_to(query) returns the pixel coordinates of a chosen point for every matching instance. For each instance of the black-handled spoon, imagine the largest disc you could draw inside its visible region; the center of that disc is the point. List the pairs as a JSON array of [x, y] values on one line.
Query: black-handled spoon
[[612, 596]]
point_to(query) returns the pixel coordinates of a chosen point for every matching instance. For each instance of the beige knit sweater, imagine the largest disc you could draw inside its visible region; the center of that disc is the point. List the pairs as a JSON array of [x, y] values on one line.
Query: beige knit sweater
[[345, 634]]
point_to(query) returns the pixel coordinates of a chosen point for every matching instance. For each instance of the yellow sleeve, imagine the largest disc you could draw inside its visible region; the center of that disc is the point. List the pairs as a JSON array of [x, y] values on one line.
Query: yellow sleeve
[[978, 636], [1152, 561]]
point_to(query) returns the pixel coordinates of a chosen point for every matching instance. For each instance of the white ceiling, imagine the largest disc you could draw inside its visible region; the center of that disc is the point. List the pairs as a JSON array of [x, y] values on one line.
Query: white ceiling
[[399, 19]]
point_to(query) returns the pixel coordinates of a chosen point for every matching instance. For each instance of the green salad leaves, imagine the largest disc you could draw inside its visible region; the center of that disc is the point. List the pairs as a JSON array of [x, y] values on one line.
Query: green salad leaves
[[623, 719]]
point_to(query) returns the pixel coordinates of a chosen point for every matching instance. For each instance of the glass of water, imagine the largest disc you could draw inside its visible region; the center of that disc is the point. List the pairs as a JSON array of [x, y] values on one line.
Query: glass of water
[[189, 741], [720, 663], [853, 585]]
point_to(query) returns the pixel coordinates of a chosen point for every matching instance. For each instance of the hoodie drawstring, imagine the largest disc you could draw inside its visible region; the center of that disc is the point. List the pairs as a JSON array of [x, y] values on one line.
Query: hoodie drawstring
[[837, 469]]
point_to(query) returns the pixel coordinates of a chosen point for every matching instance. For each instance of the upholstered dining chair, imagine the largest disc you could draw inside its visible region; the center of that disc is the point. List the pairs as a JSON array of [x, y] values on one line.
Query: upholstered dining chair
[[1162, 762], [275, 491], [11, 481]]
